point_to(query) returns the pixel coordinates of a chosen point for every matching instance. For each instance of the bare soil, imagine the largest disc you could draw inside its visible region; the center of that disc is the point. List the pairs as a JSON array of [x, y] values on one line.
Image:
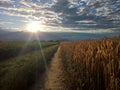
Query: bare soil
[[55, 78]]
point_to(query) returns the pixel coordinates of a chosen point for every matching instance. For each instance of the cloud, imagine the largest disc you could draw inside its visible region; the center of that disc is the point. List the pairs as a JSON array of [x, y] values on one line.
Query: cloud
[[30, 10], [3, 22], [93, 14], [93, 31], [99, 11]]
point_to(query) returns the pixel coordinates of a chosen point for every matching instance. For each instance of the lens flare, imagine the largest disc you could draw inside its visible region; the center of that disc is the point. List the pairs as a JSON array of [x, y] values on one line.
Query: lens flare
[[34, 27]]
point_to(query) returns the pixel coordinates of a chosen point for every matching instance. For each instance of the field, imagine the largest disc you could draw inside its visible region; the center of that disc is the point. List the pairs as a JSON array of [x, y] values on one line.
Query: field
[[12, 49], [82, 65], [91, 64], [22, 63]]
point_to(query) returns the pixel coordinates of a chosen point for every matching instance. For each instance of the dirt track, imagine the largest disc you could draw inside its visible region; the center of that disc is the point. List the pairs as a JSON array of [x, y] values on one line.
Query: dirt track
[[54, 80]]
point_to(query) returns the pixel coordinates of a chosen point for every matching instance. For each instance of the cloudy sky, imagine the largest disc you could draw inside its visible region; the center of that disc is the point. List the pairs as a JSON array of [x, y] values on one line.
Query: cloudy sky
[[90, 16]]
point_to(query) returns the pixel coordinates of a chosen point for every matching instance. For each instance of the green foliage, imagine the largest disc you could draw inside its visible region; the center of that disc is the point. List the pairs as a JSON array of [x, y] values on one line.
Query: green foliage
[[13, 49], [19, 73], [92, 64]]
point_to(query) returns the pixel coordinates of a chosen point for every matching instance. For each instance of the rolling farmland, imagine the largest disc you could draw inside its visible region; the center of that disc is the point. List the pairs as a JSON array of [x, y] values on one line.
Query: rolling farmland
[[59, 44], [81, 65]]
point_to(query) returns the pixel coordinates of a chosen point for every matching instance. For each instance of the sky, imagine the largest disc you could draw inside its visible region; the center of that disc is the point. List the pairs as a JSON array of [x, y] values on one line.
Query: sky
[[89, 16]]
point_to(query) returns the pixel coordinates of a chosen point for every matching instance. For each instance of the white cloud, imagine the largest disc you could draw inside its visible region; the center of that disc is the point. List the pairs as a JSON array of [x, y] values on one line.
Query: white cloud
[[7, 22], [29, 10], [93, 31], [42, 10], [85, 21]]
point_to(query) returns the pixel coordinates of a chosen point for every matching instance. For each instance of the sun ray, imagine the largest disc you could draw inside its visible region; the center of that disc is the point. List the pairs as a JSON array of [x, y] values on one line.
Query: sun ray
[[43, 55], [26, 43]]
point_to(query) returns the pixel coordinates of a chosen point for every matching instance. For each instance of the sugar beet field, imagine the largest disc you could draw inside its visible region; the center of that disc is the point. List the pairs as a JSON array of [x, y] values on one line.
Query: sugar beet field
[[81, 65]]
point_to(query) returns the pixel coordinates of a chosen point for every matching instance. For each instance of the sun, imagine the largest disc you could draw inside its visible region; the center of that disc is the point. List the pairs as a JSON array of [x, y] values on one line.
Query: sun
[[34, 27]]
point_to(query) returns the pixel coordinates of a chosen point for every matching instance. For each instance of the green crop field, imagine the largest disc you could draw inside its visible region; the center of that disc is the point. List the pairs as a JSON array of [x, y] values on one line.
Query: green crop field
[[12, 49], [21, 63]]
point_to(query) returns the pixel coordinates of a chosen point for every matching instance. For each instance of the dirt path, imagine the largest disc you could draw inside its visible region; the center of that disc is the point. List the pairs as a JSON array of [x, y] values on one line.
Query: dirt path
[[52, 79], [55, 75]]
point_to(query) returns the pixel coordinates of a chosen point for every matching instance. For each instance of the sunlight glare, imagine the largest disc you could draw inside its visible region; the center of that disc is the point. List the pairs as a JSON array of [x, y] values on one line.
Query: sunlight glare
[[34, 27]]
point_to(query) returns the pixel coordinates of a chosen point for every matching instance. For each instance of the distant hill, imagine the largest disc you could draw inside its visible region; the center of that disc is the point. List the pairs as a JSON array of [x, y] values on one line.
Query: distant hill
[[45, 36]]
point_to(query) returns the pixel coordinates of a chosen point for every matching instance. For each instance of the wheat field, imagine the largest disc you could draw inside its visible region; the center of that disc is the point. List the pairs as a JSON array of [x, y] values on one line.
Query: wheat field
[[92, 64]]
